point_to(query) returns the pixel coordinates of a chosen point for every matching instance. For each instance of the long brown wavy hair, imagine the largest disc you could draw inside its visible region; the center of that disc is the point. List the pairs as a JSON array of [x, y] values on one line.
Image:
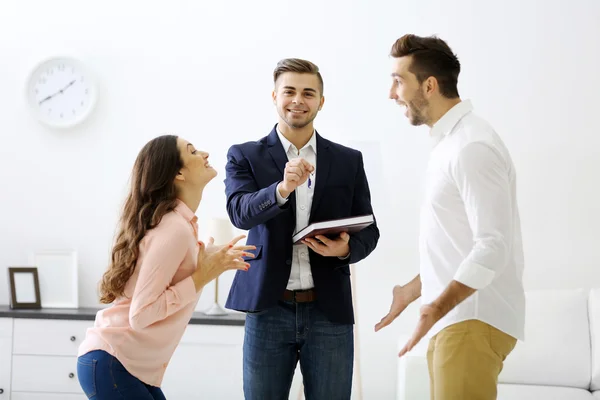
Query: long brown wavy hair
[[151, 196]]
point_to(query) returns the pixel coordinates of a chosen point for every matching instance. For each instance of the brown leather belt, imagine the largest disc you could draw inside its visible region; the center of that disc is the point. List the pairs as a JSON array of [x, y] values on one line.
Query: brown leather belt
[[299, 296]]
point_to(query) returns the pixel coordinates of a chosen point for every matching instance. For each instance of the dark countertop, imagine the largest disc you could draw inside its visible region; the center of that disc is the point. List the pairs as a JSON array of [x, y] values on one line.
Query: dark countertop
[[89, 314]]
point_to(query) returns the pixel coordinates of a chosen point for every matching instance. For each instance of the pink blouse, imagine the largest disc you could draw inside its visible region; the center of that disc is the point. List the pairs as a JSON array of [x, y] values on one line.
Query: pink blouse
[[143, 328]]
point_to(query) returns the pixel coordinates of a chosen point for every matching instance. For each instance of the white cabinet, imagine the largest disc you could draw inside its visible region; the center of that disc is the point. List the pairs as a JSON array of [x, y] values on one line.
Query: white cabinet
[[5, 357], [44, 374], [49, 337], [207, 364], [44, 358], [38, 361], [6, 327], [47, 396]]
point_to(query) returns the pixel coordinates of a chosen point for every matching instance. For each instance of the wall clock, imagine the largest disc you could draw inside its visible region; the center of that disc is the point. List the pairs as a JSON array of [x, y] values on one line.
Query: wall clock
[[61, 92]]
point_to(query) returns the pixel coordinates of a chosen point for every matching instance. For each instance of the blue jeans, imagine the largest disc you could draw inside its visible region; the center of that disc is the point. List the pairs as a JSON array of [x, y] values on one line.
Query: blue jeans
[[277, 338], [102, 376]]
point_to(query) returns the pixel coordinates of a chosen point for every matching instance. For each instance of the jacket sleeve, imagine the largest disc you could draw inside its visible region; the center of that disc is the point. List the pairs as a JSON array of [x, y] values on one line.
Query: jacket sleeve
[[247, 205]]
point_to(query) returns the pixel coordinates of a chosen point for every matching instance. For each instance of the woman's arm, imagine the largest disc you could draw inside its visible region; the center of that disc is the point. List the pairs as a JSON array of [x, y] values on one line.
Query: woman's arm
[[154, 298]]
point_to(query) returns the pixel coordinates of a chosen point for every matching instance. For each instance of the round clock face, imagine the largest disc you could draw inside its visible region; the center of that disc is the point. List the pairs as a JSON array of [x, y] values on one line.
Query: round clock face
[[61, 92]]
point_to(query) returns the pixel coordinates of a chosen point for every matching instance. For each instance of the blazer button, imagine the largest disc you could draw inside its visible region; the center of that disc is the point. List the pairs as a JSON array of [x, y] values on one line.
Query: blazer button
[[288, 262]]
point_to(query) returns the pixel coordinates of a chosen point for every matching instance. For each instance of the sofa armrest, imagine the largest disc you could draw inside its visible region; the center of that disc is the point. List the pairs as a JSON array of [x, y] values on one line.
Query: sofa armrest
[[413, 374]]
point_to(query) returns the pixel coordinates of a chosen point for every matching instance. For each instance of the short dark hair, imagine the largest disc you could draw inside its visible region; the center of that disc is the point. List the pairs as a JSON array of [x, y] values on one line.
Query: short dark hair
[[431, 56], [299, 66]]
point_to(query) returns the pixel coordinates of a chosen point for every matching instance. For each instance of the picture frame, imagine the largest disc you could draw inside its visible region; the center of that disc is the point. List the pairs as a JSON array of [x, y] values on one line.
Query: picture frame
[[58, 275], [24, 288]]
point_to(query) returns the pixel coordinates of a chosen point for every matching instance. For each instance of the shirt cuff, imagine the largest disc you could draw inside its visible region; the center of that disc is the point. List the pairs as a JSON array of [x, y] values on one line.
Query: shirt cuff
[[346, 257], [186, 290], [474, 275], [280, 200]]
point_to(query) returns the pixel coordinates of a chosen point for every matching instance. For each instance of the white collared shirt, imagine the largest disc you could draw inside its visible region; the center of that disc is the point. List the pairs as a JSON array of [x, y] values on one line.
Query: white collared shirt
[[301, 274], [470, 227]]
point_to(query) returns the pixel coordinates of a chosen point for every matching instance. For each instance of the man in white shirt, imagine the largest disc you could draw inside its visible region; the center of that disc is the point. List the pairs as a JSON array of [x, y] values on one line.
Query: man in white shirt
[[471, 254]]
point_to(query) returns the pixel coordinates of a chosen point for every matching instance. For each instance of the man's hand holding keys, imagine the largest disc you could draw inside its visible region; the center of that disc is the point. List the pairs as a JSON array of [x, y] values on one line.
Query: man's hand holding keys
[[295, 174]]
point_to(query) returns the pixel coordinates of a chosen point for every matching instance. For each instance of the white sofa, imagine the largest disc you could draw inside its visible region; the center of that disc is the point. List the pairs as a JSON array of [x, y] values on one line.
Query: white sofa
[[559, 359]]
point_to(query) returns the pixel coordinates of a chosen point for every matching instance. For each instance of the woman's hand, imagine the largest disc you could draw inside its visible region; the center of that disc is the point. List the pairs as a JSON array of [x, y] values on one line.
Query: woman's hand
[[213, 260]]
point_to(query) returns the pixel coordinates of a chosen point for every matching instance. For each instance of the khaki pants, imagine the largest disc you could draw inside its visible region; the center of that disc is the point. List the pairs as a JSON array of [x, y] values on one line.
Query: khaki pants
[[465, 360]]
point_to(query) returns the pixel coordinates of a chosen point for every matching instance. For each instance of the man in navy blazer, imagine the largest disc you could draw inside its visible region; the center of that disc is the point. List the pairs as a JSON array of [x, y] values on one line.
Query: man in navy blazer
[[297, 298]]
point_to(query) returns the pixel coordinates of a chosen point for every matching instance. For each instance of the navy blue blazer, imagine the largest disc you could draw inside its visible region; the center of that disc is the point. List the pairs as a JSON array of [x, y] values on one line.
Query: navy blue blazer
[[252, 173]]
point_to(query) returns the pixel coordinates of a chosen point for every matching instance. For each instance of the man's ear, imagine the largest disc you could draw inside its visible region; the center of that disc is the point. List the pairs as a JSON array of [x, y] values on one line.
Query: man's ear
[[322, 102], [430, 85], [274, 96]]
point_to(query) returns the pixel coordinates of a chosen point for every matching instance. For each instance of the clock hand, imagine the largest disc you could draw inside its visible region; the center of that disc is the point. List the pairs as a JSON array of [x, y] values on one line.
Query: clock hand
[[47, 98], [54, 94], [66, 87]]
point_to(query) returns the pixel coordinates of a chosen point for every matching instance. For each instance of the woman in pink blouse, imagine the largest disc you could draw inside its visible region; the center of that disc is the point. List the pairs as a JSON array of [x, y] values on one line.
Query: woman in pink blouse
[[156, 275]]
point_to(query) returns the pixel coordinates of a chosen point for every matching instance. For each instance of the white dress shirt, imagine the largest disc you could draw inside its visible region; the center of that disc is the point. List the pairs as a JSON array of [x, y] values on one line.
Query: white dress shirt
[[301, 274], [469, 227]]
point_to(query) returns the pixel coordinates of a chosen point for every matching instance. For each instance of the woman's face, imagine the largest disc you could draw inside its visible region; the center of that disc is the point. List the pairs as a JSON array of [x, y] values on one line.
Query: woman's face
[[196, 170]]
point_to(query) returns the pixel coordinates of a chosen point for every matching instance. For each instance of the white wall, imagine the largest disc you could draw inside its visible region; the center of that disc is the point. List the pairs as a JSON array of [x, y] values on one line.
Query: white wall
[[203, 70]]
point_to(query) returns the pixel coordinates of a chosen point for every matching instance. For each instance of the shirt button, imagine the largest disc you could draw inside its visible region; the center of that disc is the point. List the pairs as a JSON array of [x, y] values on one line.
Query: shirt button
[[303, 207]]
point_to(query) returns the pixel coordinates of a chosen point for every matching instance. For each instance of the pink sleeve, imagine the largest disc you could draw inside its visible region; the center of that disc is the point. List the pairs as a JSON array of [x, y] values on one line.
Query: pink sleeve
[[154, 299]]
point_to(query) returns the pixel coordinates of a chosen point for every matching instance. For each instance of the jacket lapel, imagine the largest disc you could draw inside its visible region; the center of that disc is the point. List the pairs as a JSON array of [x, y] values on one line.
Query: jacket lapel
[[276, 151], [322, 172]]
